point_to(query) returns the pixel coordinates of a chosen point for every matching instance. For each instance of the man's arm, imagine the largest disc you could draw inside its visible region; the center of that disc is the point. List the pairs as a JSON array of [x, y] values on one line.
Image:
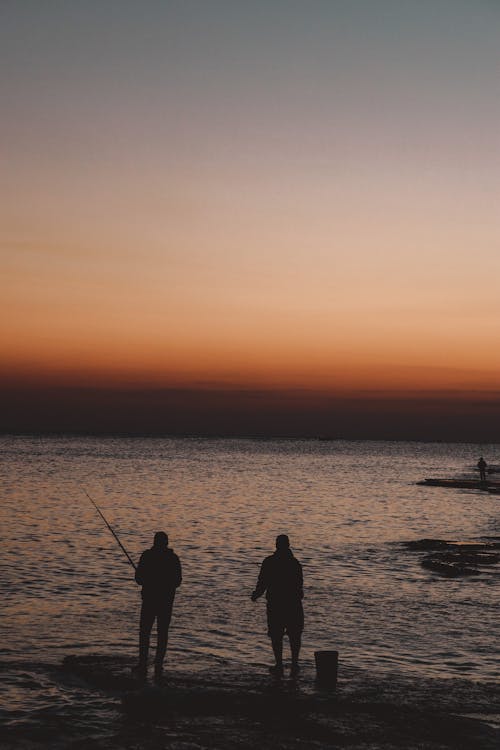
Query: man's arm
[[301, 582], [139, 571], [178, 572], [262, 582]]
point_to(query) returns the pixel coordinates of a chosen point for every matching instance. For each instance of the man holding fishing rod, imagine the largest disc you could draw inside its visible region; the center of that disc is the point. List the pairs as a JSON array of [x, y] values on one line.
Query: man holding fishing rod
[[159, 573]]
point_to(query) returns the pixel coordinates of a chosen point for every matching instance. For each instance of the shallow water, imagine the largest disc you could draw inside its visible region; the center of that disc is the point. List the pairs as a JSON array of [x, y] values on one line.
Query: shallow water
[[347, 506]]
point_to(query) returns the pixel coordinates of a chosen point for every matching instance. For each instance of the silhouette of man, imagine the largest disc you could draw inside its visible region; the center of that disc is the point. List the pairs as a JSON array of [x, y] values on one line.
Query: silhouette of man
[[481, 465], [159, 573], [281, 579]]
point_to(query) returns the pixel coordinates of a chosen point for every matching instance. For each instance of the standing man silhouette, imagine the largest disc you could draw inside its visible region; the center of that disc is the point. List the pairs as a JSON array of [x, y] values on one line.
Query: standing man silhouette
[[159, 573], [482, 465], [281, 579]]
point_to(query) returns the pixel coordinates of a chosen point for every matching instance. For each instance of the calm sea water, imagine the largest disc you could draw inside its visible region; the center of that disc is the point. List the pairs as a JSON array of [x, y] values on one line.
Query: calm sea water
[[347, 507]]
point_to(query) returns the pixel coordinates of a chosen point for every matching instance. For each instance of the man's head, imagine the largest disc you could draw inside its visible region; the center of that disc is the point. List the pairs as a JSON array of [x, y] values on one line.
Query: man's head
[[282, 543], [160, 540]]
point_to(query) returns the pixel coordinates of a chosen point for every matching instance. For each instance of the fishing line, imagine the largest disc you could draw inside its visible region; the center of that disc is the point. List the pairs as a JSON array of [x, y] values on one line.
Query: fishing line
[[108, 525], [82, 489]]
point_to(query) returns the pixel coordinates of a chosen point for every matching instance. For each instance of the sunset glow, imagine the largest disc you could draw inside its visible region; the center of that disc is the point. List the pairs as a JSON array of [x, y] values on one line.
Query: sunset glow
[[271, 196]]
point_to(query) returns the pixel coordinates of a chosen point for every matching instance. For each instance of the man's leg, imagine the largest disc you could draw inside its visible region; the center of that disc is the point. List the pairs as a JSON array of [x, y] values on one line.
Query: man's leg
[[162, 622], [295, 643], [148, 615], [277, 644], [276, 632], [295, 625]]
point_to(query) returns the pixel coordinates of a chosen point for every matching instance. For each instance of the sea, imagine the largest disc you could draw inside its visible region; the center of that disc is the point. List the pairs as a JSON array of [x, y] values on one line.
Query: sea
[[349, 508]]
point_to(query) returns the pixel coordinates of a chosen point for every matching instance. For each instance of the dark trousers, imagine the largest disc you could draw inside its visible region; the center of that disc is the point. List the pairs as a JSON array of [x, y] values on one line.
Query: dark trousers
[[161, 611]]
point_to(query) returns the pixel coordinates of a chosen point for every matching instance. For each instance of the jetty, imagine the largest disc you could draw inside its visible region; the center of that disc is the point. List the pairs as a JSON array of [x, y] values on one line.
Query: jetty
[[464, 484], [468, 480]]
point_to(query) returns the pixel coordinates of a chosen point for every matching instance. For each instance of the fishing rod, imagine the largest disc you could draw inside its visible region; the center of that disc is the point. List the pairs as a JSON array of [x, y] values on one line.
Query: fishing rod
[[109, 527], [80, 487]]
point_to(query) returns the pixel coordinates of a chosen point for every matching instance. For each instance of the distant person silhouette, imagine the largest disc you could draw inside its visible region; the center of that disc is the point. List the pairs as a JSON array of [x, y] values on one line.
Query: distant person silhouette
[[482, 466], [159, 573], [281, 579]]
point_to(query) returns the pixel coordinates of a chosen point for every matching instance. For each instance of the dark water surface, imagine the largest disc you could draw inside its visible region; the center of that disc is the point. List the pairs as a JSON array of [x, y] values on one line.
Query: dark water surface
[[347, 507]]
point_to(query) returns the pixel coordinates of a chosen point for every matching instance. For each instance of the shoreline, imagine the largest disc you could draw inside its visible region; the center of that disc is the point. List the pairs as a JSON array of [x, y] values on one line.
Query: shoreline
[[216, 704]]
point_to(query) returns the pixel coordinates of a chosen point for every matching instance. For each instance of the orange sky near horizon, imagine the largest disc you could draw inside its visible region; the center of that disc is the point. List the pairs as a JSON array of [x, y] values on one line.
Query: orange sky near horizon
[[267, 210], [302, 317]]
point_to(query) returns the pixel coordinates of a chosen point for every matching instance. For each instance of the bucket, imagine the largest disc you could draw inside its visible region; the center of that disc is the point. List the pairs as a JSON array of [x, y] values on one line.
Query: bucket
[[326, 667]]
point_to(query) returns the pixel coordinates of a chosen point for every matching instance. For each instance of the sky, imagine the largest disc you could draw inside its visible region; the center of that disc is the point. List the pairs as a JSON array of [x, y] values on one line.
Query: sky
[[251, 217]]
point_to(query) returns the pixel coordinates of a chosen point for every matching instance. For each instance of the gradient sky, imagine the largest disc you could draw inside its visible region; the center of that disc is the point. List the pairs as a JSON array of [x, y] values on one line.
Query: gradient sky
[[265, 195]]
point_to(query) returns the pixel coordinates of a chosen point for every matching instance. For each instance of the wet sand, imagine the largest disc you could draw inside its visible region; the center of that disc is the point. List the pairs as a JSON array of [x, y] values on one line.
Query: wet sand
[[218, 706]]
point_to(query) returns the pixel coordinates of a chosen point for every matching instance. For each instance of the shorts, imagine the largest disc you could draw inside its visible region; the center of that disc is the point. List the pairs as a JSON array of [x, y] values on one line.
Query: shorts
[[285, 618]]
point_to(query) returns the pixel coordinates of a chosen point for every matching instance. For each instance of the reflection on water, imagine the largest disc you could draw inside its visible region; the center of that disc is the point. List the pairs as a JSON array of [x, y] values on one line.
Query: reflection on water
[[66, 587]]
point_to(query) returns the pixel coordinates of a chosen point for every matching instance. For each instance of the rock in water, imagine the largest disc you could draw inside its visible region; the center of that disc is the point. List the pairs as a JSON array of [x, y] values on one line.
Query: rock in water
[[455, 558]]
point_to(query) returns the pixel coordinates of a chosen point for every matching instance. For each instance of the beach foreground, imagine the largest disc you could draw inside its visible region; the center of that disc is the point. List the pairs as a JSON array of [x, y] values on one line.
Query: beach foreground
[[216, 705]]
